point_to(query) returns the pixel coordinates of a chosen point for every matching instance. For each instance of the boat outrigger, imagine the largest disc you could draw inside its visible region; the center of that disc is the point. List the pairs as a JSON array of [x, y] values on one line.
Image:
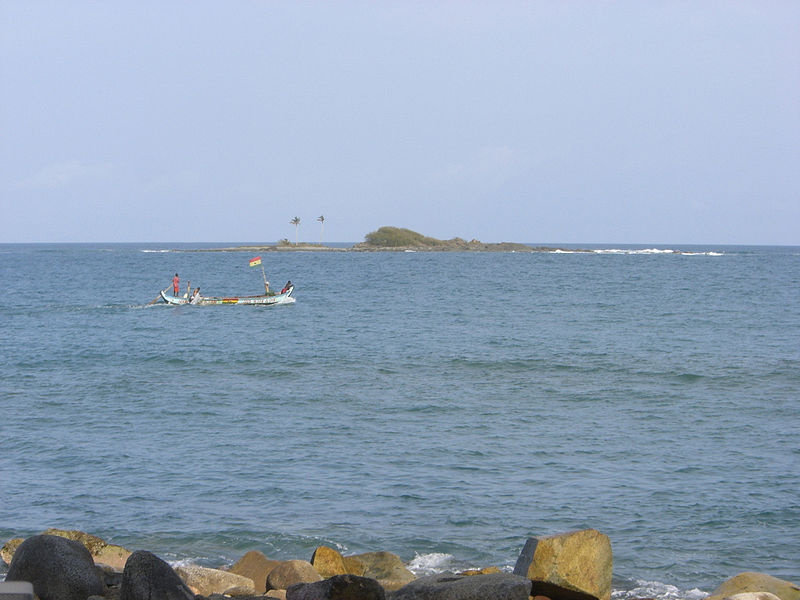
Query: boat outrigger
[[266, 299]]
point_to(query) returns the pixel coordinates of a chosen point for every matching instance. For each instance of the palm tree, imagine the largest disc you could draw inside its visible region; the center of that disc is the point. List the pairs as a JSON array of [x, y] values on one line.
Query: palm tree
[[296, 223], [321, 220]]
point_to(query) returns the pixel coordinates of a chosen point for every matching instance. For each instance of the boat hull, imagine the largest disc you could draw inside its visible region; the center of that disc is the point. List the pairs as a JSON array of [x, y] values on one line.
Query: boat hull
[[263, 300]]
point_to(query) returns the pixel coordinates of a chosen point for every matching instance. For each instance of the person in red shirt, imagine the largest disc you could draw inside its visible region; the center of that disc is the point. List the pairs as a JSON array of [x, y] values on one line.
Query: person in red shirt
[[175, 285]]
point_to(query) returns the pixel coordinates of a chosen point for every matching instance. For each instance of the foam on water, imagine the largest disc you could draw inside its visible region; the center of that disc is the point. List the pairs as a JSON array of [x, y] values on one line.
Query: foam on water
[[656, 589]]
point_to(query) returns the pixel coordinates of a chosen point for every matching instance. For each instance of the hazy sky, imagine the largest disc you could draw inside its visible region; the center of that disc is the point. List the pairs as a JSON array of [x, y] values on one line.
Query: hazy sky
[[545, 122]]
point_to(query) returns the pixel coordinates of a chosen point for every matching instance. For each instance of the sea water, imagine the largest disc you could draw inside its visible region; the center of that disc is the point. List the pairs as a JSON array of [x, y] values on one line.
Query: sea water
[[441, 406]]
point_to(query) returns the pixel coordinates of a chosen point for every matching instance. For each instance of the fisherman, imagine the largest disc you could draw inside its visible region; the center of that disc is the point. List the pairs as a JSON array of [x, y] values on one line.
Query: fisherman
[[176, 286], [286, 287], [195, 296]]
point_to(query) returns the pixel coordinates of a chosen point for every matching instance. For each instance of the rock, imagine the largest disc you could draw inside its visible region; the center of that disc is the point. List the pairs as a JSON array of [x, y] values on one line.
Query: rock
[[569, 566], [753, 596], [386, 567], [497, 586], [255, 566], [338, 587], [328, 562], [353, 565], [8, 549], [58, 568], [279, 594], [147, 577], [102, 551], [205, 581], [291, 572], [756, 582], [483, 571]]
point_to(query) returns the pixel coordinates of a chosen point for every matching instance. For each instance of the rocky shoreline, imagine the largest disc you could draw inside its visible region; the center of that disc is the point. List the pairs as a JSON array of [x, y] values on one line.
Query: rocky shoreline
[[577, 565]]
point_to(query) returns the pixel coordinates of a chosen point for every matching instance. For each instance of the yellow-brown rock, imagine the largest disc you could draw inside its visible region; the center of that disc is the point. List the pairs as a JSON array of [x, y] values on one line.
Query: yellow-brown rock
[[386, 567], [756, 582], [483, 571], [8, 549], [328, 562], [205, 581], [254, 565], [353, 565], [101, 551], [570, 566], [290, 572]]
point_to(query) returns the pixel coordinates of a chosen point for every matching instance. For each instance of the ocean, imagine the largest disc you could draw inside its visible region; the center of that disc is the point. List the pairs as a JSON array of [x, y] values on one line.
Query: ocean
[[441, 406]]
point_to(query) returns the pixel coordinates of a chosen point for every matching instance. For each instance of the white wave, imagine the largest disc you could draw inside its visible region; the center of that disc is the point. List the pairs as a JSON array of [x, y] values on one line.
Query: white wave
[[429, 564], [656, 589], [639, 251], [157, 251]]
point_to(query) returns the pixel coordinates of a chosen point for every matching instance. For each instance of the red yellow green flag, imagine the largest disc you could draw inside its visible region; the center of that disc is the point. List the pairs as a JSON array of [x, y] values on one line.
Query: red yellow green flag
[[254, 262]]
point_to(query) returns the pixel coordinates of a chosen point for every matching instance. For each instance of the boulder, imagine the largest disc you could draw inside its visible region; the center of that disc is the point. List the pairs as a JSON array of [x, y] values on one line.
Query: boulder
[[569, 566], [147, 577], [290, 572], [753, 596], [386, 567], [328, 562], [353, 565], [58, 568], [205, 581], [8, 549], [102, 551], [279, 594], [255, 566], [756, 582], [338, 587], [497, 586]]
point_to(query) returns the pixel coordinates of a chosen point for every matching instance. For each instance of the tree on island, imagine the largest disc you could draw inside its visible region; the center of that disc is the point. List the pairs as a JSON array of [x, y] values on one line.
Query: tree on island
[[296, 223], [321, 220]]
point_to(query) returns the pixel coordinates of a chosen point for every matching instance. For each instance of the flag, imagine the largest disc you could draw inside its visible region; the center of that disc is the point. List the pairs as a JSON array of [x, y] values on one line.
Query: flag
[[254, 262]]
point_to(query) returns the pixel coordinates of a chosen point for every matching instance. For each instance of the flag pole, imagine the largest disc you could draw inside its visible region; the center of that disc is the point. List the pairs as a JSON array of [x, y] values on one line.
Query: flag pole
[[266, 283]]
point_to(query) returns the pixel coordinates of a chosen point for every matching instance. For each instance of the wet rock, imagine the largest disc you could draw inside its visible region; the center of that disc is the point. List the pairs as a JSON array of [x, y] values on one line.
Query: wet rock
[[58, 568], [147, 577], [497, 586], [290, 572], [570, 566], [338, 587]]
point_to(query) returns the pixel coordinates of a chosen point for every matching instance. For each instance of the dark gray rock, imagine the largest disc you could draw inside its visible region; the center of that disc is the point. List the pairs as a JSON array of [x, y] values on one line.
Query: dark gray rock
[[497, 586], [338, 587], [58, 568], [147, 577]]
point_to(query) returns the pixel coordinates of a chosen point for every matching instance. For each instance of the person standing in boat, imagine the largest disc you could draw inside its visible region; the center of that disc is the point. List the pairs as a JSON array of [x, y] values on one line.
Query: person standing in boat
[[195, 298], [176, 286]]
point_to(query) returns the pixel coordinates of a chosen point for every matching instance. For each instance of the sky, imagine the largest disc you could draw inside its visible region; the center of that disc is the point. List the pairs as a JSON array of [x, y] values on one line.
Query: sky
[[638, 122]]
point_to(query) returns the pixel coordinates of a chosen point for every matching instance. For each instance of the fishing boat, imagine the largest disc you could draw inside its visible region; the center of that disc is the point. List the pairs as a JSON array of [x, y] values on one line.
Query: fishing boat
[[266, 299], [262, 300]]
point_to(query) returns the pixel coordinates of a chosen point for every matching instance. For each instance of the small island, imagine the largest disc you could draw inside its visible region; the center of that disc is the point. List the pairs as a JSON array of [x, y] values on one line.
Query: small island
[[398, 239]]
